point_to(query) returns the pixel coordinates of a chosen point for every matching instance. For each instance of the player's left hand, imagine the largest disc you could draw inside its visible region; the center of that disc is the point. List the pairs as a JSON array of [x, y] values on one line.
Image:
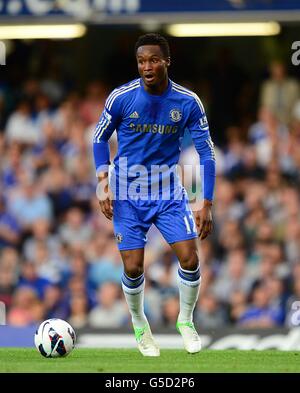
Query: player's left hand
[[203, 220]]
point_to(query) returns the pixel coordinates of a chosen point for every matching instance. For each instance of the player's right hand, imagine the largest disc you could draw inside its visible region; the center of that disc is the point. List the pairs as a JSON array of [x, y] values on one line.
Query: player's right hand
[[106, 206], [105, 197]]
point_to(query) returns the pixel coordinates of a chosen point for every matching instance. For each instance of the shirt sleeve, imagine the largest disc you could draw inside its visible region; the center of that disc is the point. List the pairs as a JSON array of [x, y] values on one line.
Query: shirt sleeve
[[199, 129], [108, 122]]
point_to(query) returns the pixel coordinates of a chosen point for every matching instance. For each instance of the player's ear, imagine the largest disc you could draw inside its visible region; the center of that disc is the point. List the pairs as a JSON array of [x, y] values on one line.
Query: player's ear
[[168, 61]]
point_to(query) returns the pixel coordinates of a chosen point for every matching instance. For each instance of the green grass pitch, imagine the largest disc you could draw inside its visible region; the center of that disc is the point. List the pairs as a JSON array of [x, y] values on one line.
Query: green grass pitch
[[130, 360]]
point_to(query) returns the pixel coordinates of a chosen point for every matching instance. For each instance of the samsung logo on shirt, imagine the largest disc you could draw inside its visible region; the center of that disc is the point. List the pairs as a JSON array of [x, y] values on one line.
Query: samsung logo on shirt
[[154, 128]]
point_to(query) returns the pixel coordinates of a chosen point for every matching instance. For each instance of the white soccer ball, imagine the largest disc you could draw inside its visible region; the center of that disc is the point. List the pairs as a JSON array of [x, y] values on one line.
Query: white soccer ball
[[54, 338]]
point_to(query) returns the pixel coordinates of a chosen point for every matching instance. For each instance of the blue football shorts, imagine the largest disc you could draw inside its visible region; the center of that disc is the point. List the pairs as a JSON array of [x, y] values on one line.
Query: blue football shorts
[[133, 218]]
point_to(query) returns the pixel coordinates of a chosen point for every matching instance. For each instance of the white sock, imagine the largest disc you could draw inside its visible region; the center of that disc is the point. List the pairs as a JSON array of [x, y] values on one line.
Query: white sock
[[189, 285], [133, 289]]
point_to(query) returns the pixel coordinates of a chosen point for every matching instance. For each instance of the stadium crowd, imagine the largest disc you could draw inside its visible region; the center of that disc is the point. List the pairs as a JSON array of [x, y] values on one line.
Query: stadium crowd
[[58, 256]]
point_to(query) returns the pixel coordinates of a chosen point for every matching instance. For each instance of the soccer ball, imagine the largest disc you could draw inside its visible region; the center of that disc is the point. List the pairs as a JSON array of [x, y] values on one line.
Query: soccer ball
[[54, 338]]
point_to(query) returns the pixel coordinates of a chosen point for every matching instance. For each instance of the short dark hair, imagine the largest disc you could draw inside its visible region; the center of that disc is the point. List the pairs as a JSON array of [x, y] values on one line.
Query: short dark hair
[[154, 39]]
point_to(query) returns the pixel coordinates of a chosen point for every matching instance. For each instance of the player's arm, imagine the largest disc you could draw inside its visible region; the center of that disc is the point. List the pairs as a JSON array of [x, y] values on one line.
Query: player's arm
[[199, 130], [107, 124]]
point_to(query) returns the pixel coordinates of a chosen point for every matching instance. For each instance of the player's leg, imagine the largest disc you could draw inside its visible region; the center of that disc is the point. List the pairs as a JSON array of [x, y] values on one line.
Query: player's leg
[[189, 279], [133, 284], [131, 238], [177, 225]]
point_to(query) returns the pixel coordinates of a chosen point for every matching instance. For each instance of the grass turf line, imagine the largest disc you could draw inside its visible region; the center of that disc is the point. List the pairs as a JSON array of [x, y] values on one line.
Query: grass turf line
[[130, 360]]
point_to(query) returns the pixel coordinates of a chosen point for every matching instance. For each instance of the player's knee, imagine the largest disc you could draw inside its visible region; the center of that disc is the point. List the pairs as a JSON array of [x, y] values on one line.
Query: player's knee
[[190, 261], [133, 270], [133, 263]]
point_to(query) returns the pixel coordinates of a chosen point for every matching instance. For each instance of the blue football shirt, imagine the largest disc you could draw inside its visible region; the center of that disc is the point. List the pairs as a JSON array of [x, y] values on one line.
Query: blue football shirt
[[149, 130]]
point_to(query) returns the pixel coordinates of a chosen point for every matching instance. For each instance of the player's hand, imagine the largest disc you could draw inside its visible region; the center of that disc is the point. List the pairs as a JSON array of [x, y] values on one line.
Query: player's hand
[[105, 197], [203, 220], [106, 203]]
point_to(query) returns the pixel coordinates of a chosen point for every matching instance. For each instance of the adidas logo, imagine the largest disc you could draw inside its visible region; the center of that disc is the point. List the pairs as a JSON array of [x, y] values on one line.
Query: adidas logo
[[134, 115]]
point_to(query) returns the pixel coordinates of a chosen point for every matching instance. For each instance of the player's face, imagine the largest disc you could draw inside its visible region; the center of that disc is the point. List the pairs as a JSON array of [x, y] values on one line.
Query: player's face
[[152, 65]]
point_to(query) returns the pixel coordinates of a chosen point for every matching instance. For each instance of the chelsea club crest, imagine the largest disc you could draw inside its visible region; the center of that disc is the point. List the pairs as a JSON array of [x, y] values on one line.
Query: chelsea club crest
[[175, 115], [119, 237]]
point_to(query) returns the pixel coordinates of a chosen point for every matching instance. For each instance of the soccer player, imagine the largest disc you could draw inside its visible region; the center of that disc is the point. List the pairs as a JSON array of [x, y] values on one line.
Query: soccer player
[[150, 115]]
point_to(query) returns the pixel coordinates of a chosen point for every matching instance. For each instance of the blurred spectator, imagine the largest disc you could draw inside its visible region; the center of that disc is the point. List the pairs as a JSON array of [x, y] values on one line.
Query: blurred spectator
[[93, 102], [9, 228], [57, 184], [250, 166], [107, 265], [82, 186], [163, 273], [47, 266], [78, 317], [292, 147], [26, 308], [30, 204], [11, 165], [279, 93], [111, 311], [77, 285], [7, 285], [170, 311], [20, 127], [74, 231], [37, 312], [209, 313], [153, 303], [75, 147], [209, 265], [268, 135], [233, 276], [227, 206], [41, 233], [261, 314], [278, 296], [237, 305], [231, 236], [234, 152], [10, 259], [55, 304], [29, 277], [98, 246], [51, 85]]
